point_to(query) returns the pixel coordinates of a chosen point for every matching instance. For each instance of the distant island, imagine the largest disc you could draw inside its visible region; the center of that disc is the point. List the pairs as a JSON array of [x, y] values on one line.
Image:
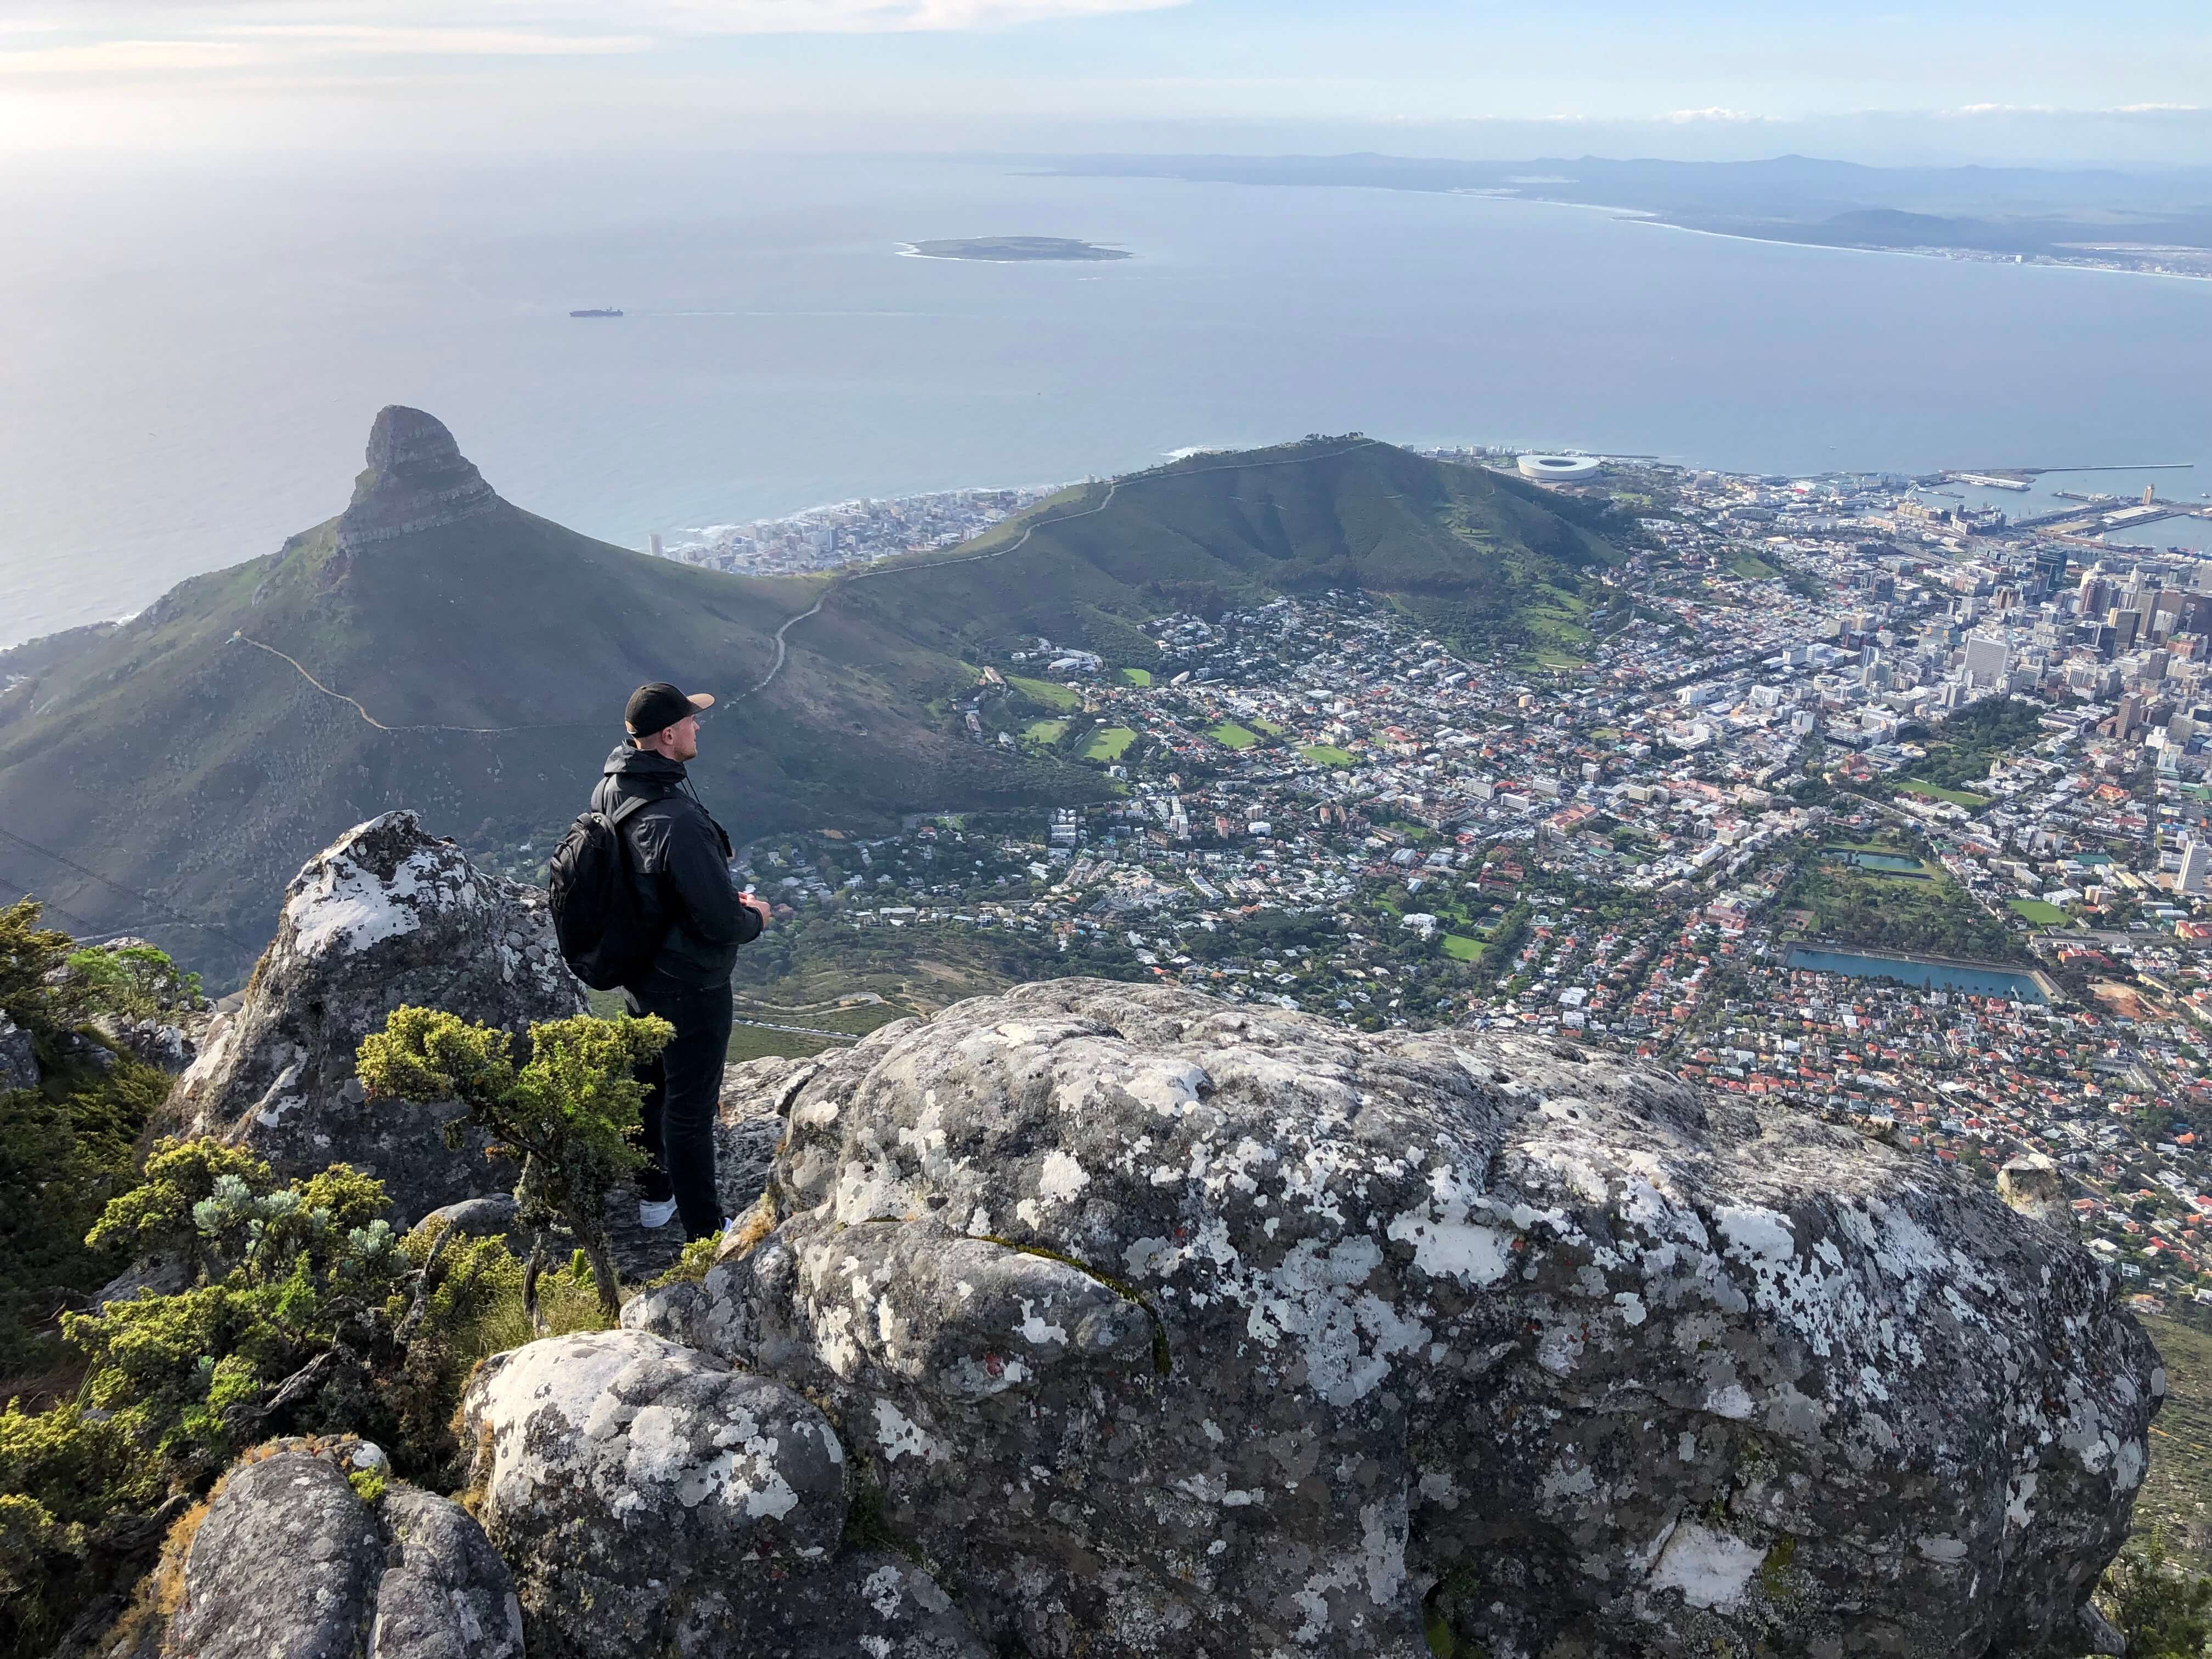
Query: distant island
[[1006, 250]]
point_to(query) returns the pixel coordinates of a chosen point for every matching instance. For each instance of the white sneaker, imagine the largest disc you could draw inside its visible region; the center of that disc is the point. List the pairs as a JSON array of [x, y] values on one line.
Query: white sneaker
[[652, 1216]]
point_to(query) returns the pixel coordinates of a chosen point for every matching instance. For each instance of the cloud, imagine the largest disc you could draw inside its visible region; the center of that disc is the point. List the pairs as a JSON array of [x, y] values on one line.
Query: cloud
[[379, 38], [131, 39], [1685, 117], [125, 58], [2076, 112], [871, 17]]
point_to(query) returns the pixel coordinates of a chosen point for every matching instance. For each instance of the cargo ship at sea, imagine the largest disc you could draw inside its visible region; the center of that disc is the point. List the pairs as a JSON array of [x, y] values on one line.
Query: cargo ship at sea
[[608, 311]]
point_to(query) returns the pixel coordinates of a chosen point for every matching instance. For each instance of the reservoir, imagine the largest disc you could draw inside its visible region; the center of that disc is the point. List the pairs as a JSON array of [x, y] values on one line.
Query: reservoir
[[2020, 987], [1889, 863]]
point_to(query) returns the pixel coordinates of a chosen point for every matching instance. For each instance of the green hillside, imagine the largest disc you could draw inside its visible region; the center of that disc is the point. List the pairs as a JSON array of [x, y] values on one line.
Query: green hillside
[[1479, 557], [169, 758]]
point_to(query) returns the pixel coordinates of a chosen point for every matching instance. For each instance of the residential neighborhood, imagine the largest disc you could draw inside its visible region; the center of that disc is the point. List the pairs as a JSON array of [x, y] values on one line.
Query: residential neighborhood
[[1891, 809]]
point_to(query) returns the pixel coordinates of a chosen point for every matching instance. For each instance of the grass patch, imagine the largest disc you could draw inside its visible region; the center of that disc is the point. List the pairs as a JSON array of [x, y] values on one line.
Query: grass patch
[[1269, 727], [1138, 676], [1325, 754], [1965, 798], [568, 1301], [2036, 911], [1460, 948], [1108, 743], [1045, 731], [1752, 567], [1043, 691], [1230, 735]]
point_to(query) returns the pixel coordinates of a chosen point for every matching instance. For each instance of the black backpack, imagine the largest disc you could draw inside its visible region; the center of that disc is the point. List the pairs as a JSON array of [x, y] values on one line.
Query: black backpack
[[595, 909]]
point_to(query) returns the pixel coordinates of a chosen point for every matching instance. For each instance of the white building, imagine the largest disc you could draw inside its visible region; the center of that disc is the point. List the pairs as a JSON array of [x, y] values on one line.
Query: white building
[[1987, 659], [2195, 875]]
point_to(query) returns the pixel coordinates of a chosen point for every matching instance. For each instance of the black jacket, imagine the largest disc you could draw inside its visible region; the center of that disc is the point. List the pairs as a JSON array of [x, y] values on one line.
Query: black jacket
[[680, 861]]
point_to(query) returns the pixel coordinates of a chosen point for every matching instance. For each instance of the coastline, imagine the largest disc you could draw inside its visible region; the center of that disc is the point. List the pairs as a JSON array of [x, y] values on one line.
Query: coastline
[[1952, 256]]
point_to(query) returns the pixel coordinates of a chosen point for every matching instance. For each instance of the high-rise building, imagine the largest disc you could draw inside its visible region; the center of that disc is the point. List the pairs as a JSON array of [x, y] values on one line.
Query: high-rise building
[[2195, 875], [1986, 661]]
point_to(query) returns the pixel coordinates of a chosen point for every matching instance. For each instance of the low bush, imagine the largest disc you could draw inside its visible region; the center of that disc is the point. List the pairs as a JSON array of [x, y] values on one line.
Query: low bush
[[305, 1313]]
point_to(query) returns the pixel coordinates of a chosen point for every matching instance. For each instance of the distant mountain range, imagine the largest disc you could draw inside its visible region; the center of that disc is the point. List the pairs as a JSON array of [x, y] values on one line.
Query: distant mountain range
[[2038, 211], [437, 647]]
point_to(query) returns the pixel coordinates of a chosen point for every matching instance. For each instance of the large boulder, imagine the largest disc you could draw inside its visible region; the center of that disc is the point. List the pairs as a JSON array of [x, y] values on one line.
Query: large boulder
[[654, 1501], [386, 914], [1162, 1326], [291, 1560]]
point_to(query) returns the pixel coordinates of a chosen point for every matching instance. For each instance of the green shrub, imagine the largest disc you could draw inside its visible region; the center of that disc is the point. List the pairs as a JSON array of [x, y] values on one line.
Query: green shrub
[[2164, 1610], [65, 1147], [306, 1315], [567, 1113], [32, 992]]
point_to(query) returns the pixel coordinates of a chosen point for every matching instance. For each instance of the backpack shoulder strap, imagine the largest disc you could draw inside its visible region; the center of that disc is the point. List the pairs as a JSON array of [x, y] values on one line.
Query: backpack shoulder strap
[[621, 814]]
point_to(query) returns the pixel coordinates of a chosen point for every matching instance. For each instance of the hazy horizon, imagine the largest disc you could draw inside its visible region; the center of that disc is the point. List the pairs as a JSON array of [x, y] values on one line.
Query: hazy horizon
[[2037, 82]]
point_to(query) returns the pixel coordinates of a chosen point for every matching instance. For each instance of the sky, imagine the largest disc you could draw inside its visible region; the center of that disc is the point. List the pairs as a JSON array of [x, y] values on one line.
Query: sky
[[2129, 80]]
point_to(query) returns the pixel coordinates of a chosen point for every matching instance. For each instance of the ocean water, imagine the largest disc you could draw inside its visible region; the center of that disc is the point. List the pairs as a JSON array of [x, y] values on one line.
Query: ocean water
[[189, 362]]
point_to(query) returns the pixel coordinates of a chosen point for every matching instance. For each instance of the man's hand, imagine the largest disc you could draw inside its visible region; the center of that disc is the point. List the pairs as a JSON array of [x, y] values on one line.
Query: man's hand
[[757, 905]]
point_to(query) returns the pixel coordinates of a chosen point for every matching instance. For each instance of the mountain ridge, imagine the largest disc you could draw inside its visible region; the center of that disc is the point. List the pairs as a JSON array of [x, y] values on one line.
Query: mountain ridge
[[435, 647]]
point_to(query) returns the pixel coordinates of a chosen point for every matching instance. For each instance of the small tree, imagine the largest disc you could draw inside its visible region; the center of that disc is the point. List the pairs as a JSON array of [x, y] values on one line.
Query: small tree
[[32, 992], [2163, 1609], [139, 981], [567, 1113]]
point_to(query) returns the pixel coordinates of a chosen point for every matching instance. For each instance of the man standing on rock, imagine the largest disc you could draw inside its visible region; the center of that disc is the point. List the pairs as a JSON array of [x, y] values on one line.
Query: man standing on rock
[[679, 862]]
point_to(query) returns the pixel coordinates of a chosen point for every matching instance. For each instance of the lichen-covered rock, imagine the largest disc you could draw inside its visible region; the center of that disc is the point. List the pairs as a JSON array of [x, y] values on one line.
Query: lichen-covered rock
[[18, 1058], [1166, 1326], [492, 1216], [445, 1593], [653, 1500], [167, 1047], [291, 1561], [386, 914]]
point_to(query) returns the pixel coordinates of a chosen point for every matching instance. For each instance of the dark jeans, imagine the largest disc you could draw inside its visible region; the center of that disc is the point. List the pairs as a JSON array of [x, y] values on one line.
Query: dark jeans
[[683, 1088]]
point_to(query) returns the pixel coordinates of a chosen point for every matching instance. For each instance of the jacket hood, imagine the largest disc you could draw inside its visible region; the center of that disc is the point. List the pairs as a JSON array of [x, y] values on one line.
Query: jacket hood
[[643, 765]]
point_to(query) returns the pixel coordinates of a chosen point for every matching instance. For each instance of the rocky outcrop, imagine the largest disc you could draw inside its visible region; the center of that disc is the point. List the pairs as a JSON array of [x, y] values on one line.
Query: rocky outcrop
[[1159, 1326], [749, 1125], [655, 1501], [386, 914], [165, 1046], [416, 479], [291, 1560], [19, 1057], [2031, 1186]]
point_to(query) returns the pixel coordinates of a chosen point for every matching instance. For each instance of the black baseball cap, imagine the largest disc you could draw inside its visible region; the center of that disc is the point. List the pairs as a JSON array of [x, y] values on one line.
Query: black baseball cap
[[654, 707]]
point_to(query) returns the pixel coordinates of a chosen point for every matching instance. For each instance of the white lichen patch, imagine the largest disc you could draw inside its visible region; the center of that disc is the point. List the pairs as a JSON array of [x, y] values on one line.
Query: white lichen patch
[[900, 1436], [1446, 1243], [337, 904], [1711, 1569], [1062, 1179]]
